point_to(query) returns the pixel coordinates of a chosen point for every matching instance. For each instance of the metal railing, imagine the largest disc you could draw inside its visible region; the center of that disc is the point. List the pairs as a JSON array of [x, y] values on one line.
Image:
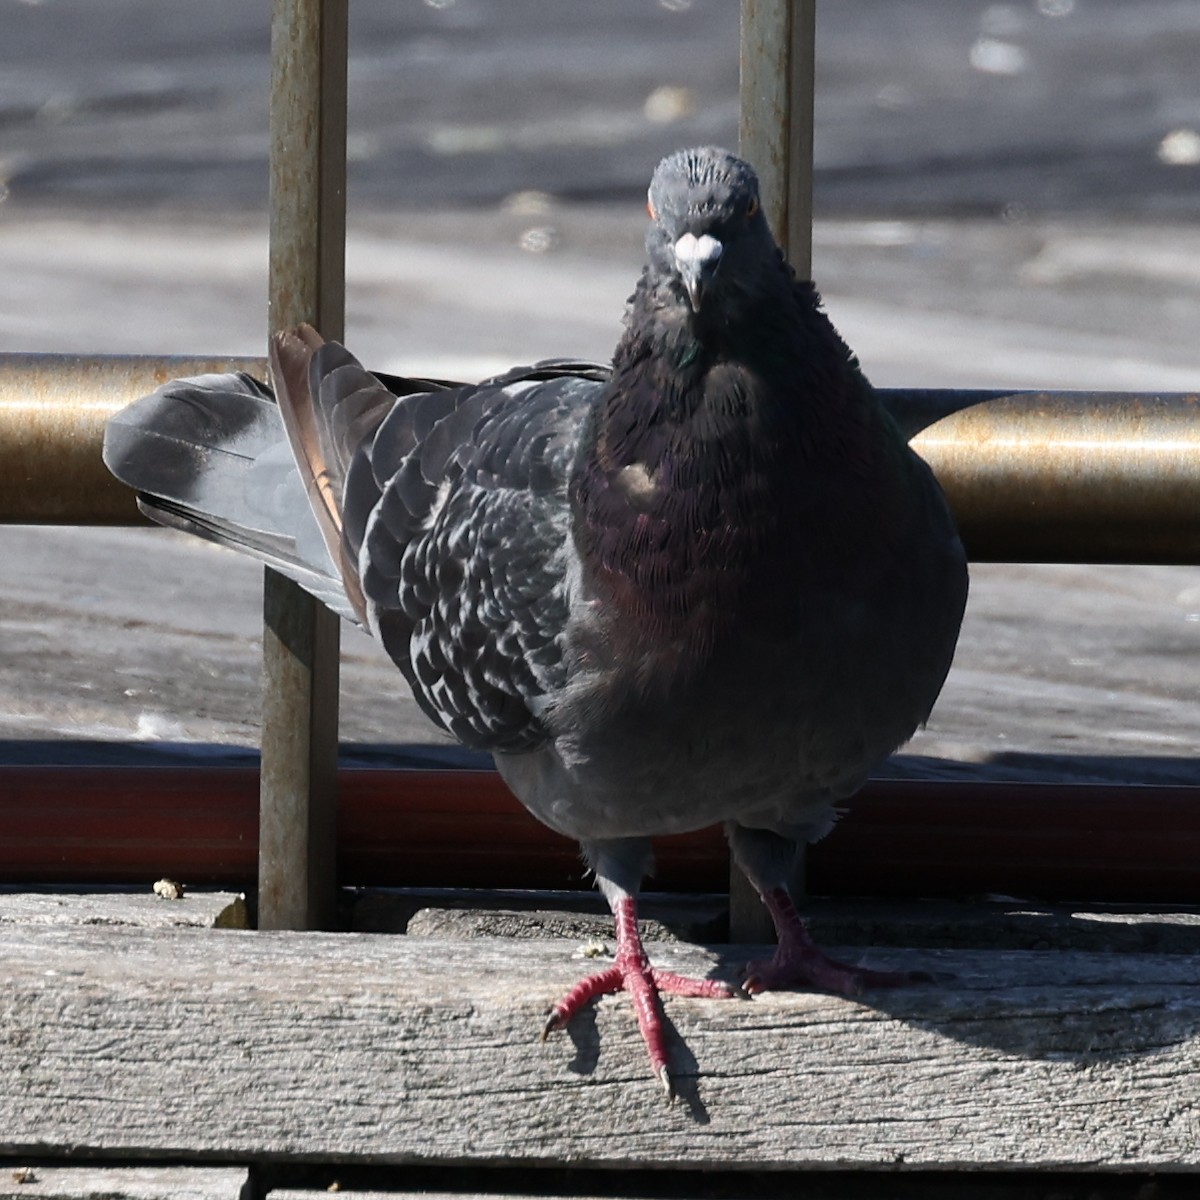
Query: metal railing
[[1083, 477]]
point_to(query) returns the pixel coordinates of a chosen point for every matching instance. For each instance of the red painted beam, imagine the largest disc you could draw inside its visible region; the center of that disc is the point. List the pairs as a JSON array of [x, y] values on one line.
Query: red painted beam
[[463, 829]]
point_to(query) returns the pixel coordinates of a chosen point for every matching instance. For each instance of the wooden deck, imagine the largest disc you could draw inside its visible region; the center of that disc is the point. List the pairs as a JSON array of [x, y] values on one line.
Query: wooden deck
[[135, 1033]]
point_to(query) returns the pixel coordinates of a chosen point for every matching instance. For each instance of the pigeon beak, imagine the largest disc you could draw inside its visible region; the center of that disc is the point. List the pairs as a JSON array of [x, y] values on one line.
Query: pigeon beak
[[697, 259]]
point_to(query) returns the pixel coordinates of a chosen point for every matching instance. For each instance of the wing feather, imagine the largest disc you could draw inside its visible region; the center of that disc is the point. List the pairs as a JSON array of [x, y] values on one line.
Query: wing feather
[[465, 554]]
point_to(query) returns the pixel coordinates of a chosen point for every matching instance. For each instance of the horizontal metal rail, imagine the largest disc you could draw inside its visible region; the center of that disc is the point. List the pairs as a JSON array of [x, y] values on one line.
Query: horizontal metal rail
[[1098, 477], [1072, 477], [53, 409], [454, 828]]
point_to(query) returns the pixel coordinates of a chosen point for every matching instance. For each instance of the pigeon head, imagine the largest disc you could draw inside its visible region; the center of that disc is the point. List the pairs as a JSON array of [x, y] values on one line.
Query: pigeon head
[[708, 233]]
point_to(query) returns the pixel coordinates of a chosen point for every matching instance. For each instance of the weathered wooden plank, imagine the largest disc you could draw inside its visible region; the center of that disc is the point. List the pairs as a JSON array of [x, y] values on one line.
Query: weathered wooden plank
[[999, 923], [116, 906], [452, 913], [455, 913], [121, 1183], [234, 1046]]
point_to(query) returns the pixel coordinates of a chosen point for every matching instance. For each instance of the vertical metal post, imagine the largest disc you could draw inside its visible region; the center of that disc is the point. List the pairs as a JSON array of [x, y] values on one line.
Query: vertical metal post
[[776, 130], [297, 813], [778, 41]]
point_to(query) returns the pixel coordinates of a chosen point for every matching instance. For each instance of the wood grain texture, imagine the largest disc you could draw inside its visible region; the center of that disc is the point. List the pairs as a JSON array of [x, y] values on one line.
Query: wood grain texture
[[228, 1046], [1001, 923], [94, 1182], [200, 910]]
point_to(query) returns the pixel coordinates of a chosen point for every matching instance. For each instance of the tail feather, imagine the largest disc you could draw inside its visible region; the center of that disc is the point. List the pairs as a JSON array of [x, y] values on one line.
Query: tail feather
[[219, 457], [291, 356], [330, 406], [208, 455], [271, 550], [192, 439]]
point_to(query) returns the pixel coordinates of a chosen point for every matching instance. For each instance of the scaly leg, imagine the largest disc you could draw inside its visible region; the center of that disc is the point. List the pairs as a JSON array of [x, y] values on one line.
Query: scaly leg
[[632, 971], [800, 961], [768, 859]]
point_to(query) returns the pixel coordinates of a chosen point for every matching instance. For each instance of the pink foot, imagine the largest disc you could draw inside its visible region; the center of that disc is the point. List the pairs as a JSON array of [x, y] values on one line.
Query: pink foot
[[800, 962], [632, 972]]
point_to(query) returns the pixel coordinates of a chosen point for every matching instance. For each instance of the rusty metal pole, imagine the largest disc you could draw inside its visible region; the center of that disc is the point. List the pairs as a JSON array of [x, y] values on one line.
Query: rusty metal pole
[[778, 39], [297, 805]]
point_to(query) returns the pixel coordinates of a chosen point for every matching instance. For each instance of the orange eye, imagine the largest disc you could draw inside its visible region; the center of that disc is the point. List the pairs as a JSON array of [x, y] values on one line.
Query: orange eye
[[752, 207], [650, 209]]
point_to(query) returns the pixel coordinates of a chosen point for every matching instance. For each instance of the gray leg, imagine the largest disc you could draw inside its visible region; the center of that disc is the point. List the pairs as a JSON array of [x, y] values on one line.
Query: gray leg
[[768, 859]]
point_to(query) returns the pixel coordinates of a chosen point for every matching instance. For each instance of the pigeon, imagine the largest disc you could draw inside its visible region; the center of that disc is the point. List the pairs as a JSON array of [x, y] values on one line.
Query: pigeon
[[709, 583]]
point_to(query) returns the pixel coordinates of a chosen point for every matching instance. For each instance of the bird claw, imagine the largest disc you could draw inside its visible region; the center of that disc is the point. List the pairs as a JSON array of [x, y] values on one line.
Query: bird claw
[[800, 962], [808, 966], [631, 972], [554, 1022]]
